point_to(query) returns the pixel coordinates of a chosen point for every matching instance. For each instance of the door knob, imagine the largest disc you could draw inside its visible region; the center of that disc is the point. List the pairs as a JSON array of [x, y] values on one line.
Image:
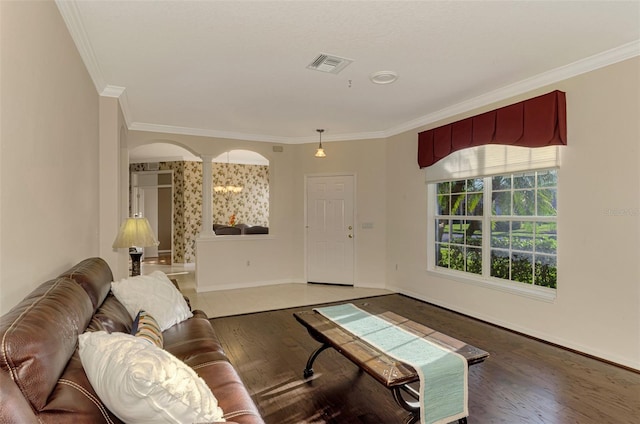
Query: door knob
[[350, 227], [350, 235]]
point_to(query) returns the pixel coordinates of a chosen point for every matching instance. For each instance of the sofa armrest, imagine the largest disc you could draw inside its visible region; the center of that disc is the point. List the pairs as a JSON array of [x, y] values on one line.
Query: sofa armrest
[[14, 408], [186, 299]]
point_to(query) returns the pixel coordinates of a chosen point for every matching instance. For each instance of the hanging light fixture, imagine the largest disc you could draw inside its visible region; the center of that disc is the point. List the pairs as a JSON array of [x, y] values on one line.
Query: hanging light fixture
[[229, 188], [320, 152]]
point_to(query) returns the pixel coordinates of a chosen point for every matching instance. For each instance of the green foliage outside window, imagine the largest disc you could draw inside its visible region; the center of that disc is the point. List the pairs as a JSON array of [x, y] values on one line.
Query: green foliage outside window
[[522, 237]]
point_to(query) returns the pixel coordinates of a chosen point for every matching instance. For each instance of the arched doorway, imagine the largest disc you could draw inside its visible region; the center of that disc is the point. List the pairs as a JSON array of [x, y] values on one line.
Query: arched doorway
[[161, 176]]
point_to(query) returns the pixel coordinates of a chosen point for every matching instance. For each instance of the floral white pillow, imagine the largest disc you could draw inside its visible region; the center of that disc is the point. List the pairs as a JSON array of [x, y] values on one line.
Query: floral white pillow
[[144, 384], [153, 293]]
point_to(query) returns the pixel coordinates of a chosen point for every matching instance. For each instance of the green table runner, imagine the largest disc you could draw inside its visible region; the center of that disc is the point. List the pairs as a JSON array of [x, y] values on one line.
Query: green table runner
[[442, 372]]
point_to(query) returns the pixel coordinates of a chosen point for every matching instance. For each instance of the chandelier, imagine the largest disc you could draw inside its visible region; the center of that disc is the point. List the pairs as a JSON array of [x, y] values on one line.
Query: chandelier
[[227, 189]]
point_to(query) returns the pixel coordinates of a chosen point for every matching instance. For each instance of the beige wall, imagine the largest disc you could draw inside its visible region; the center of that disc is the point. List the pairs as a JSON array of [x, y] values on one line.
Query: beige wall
[[366, 159], [49, 198], [597, 309]]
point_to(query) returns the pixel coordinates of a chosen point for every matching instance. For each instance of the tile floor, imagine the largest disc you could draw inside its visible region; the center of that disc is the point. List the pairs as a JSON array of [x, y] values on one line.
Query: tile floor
[[241, 301]]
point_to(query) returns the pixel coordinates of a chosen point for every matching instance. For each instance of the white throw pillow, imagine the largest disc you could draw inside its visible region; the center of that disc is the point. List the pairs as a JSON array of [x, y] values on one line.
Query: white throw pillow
[[154, 293], [141, 383]]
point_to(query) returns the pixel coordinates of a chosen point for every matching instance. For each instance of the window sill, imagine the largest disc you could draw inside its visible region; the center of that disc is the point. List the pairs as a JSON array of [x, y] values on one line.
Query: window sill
[[543, 294]]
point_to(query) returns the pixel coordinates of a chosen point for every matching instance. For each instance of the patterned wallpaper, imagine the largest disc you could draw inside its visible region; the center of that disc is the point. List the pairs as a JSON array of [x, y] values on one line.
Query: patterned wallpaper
[[251, 206]]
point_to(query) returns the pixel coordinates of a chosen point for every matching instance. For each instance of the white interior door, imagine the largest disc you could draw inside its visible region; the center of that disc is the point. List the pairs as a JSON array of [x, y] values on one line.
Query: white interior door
[[330, 229]]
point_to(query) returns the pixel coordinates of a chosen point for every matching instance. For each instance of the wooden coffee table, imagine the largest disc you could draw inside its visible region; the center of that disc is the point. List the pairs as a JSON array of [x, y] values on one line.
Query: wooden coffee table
[[394, 375]]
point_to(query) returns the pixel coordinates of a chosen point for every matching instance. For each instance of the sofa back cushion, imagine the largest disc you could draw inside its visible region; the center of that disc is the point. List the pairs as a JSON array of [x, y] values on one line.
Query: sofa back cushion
[[40, 334], [111, 317], [95, 277]]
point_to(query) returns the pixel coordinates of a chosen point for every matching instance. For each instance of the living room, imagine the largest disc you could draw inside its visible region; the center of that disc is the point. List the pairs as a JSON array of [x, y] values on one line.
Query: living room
[[65, 174]]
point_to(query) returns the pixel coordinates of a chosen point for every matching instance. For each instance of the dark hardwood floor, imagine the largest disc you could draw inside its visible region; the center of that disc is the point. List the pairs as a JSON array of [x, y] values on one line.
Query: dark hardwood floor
[[523, 381]]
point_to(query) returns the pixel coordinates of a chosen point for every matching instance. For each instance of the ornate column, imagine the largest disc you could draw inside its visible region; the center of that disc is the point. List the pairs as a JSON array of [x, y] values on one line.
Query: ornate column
[[207, 197]]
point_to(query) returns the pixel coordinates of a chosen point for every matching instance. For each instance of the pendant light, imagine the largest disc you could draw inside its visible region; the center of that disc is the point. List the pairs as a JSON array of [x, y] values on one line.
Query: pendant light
[[320, 152]]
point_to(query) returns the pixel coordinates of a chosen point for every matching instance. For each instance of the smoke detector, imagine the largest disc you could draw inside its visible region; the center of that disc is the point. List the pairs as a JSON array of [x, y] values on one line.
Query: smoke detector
[[383, 77], [329, 63]]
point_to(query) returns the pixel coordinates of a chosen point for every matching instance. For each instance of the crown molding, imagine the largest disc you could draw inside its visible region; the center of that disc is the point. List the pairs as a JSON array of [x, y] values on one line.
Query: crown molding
[[609, 57], [112, 91], [121, 94], [71, 16], [200, 132]]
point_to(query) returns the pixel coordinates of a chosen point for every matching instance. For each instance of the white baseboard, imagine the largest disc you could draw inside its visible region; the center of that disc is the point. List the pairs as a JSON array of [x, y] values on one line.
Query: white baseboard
[[246, 285]]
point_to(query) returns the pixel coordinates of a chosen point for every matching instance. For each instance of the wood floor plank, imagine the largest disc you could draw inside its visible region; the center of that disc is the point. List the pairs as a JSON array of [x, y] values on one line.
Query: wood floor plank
[[523, 381]]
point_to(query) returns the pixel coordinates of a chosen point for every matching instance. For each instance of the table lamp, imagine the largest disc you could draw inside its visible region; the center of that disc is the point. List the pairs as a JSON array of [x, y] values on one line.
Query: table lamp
[[135, 232]]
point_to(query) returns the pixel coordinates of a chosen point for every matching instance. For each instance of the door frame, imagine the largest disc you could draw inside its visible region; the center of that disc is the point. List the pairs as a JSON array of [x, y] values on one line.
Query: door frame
[[355, 226]]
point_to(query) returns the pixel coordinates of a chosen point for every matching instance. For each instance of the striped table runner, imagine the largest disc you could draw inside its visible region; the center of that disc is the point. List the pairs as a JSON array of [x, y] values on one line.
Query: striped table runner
[[442, 372]]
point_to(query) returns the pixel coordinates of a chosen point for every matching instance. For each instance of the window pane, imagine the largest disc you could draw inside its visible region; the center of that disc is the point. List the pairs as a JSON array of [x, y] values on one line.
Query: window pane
[[524, 203], [456, 261], [547, 202], [546, 237], [442, 255], [458, 186], [500, 234], [475, 185], [443, 188], [500, 264], [457, 231], [546, 272], [522, 235], [164, 179], [501, 182], [473, 232], [444, 204], [458, 204], [522, 267], [474, 204], [548, 178], [443, 231], [474, 260], [524, 181], [501, 203]]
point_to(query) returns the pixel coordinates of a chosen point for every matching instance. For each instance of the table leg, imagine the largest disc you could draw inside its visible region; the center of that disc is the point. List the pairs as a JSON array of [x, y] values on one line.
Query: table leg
[[413, 407], [308, 371]]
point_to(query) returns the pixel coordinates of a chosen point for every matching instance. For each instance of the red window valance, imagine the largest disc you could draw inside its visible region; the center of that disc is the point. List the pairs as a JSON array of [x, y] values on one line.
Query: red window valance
[[537, 122]]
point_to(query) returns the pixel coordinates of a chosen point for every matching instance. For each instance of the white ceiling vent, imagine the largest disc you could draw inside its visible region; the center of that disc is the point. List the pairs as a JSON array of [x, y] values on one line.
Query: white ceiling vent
[[329, 63]]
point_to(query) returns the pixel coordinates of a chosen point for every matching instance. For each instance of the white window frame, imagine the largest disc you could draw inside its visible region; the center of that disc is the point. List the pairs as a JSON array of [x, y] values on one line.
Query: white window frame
[[480, 162]]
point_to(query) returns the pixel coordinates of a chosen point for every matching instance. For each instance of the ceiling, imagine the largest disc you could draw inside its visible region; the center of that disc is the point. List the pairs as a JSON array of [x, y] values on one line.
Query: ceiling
[[238, 69]]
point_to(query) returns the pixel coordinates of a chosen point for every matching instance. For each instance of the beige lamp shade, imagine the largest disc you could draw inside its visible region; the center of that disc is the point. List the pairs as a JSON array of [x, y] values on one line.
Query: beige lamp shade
[[135, 232]]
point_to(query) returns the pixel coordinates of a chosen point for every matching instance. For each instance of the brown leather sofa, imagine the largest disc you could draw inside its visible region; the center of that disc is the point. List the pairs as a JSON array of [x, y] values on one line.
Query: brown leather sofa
[[42, 379]]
